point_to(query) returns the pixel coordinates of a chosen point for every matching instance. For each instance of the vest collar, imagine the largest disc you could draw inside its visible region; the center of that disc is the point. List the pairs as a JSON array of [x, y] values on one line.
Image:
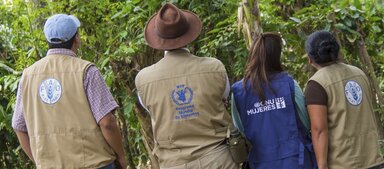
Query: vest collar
[[184, 50], [61, 51]]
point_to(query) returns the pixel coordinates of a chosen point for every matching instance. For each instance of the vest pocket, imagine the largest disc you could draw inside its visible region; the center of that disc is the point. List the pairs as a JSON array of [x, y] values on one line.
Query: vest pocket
[[165, 148], [62, 150], [360, 151], [166, 144], [221, 130], [267, 153], [96, 150]]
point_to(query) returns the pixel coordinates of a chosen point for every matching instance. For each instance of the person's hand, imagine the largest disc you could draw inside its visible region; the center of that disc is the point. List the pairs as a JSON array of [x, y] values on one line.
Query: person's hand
[[122, 163], [225, 101], [323, 167]]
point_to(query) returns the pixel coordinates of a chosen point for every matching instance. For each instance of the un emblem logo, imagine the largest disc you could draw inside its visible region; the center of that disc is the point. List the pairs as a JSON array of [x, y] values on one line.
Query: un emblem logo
[[50, 91], [182, 95], [353, 92]]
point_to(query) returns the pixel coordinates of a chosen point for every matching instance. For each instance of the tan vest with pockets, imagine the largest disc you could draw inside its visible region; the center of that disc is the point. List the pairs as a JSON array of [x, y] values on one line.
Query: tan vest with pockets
[[63, 132], [353, 134], [184, 94]]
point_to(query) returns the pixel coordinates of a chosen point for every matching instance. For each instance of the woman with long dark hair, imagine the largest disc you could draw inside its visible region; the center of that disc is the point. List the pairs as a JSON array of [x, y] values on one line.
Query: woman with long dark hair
[[268, 102], [339, 101]]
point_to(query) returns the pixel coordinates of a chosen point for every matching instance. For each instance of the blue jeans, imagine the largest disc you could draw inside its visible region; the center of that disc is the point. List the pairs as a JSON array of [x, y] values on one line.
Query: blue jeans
[[109, 166]]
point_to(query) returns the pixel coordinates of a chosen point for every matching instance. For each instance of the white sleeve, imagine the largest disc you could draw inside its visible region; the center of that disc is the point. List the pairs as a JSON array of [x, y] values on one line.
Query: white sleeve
[[141, 102], [227, 89]]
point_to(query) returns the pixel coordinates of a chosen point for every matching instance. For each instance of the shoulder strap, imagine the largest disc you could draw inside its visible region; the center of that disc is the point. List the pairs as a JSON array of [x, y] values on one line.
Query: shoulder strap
[[235, 115]]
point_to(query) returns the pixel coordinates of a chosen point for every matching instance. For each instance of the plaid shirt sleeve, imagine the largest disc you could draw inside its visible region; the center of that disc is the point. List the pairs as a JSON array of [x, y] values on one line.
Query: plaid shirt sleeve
[[18, 121], [99, 97]]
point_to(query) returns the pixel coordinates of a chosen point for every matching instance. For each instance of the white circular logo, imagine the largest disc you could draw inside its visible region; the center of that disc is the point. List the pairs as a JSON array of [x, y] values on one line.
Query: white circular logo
[[353, 92], [50, 91]]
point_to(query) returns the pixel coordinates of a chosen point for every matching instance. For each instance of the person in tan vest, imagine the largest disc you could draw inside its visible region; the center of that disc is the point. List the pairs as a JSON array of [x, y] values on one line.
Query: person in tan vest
[[184, 95], [339, 102], [63, 115]]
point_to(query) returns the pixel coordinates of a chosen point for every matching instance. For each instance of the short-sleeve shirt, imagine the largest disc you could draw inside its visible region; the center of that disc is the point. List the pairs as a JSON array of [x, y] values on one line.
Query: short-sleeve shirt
[[315, 94], [100, 99]]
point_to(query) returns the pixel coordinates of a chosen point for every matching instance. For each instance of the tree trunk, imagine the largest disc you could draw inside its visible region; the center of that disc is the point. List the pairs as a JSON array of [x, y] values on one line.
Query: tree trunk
[[36, 23], [369, 70], [147, 133], [124, 132], [249, 20], [149, 57], [125, 79], [337, 33]]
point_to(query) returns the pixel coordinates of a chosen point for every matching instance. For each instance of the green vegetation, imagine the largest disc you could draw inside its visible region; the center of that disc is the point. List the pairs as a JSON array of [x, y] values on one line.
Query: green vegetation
[[112, 38]]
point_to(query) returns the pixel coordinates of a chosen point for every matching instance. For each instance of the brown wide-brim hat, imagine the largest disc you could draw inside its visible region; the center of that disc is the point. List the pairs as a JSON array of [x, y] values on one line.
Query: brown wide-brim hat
[[172, 28]]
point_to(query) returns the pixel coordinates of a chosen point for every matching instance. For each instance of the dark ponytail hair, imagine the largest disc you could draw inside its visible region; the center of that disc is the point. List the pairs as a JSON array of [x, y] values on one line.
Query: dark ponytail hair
[[322, 47], [66, 45], [263, 60]]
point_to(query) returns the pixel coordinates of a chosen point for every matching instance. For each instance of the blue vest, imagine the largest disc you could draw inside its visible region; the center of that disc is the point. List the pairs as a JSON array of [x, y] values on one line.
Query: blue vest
[[273, 127]]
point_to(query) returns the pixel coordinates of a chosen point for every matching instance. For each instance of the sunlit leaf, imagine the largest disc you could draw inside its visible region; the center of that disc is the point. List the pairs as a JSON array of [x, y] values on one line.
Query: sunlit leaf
[[376, 29], [340, 26], [351, 37], [353, 8], [105, 61], [356, 15], [297, 20], [117, 15]]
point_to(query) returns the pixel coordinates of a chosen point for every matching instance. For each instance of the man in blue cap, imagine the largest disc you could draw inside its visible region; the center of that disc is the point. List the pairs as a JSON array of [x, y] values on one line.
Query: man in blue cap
[[64, 111]]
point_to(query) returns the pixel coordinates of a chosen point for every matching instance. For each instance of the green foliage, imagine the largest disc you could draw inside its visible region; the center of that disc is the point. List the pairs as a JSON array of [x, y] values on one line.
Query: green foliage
[[350, 20], [112, 37], [11, 155]]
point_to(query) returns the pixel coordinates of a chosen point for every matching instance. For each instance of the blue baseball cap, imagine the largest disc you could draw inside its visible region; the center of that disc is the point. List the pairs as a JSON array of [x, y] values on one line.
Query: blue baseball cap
[[60, 28]]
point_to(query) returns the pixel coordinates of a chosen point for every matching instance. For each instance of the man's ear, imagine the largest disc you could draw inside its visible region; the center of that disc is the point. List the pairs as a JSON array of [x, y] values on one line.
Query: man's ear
[[76, 42], [77, 38], [310, 61]]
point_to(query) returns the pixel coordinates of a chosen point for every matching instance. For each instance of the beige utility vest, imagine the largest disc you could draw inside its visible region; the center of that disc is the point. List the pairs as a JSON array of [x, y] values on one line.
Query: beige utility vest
[[352, 129], [183, 94], [62, 130]]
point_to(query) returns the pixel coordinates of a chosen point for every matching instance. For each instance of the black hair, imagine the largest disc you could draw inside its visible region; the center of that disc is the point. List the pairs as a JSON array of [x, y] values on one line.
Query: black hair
[[67, 45], [322, 47]]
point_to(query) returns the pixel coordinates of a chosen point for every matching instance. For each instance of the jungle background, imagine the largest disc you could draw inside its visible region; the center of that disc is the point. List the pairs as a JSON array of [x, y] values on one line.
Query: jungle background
[[112, 38]]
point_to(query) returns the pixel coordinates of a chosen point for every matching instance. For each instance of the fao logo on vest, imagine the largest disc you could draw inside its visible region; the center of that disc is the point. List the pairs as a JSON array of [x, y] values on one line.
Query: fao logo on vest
[[50, 91], [353, 92]]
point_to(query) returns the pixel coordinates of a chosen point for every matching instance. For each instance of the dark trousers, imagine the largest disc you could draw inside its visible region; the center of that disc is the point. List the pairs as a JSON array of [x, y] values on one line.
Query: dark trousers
[[109, 166], [378, 167]]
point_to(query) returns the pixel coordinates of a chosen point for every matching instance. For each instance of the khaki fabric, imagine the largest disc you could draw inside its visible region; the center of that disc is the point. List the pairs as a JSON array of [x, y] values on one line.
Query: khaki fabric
[[353, 134], [219, 158], [63, 134], [184, 94]]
